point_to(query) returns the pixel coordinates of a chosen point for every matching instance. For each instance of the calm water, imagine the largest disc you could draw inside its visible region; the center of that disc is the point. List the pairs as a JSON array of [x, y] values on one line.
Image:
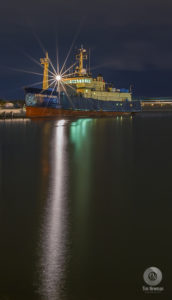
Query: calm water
[[85, 207]]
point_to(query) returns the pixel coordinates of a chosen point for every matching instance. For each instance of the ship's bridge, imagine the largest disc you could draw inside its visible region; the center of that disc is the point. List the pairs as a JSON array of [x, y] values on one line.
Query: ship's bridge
[[95, 88], [86, 83]]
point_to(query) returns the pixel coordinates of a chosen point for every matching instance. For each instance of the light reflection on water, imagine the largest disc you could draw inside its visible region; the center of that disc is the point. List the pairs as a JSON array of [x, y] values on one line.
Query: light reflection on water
[[54, 229], [53, 232]]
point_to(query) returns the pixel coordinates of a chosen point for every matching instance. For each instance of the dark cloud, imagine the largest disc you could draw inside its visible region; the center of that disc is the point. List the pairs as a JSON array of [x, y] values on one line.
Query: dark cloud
[[126, 35]]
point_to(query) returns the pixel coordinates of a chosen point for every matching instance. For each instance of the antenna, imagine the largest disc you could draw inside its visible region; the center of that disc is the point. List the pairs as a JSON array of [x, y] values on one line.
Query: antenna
[[131, 88]]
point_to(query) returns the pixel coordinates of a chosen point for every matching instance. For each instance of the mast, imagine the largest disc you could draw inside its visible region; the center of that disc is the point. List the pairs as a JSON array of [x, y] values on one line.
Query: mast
[[45, 63], [81, 56]]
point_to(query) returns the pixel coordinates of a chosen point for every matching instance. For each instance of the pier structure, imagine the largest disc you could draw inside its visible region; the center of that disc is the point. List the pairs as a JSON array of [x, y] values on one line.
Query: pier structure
[[156, 104], [10, 113]]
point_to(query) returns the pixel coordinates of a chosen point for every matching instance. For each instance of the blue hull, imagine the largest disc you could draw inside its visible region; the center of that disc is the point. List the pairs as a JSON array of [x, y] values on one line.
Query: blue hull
[[47, 99]]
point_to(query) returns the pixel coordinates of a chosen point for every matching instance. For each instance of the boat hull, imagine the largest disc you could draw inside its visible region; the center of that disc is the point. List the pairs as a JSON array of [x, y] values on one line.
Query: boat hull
[[40, 103], [33, 112]]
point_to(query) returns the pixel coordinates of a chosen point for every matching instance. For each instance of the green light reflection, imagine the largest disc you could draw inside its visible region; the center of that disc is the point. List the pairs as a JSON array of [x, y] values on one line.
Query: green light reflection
[[78, 130]]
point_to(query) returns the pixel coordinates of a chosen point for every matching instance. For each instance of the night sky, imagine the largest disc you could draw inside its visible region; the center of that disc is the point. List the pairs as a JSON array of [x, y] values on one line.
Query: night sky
[[130, 41]]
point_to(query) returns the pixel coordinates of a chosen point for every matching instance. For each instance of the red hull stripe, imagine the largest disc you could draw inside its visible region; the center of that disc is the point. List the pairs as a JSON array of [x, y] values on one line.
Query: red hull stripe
[[52, 112]]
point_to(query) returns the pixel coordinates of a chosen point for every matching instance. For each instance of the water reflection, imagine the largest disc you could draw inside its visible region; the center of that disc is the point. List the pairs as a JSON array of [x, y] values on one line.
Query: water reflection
[[95, 148], [78, 131], [81, 137], [119, 176], [53, 236]]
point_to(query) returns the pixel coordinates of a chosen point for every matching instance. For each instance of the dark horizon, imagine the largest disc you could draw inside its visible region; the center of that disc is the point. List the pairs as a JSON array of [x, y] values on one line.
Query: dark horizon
[[130, 42]]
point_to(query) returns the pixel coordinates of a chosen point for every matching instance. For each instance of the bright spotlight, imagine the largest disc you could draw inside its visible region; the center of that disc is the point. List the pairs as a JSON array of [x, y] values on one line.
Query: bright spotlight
[[58, 77]]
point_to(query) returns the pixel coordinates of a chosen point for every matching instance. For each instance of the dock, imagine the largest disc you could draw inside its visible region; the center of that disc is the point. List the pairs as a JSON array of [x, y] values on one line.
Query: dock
[[156, 104], [10, 113]]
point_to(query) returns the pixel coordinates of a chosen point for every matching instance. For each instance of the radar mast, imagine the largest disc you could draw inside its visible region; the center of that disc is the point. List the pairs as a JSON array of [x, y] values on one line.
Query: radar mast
[[81, 56]]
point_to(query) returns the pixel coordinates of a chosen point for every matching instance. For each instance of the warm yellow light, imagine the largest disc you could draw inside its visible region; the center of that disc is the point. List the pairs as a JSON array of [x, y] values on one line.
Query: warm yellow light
[[58, 77]]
